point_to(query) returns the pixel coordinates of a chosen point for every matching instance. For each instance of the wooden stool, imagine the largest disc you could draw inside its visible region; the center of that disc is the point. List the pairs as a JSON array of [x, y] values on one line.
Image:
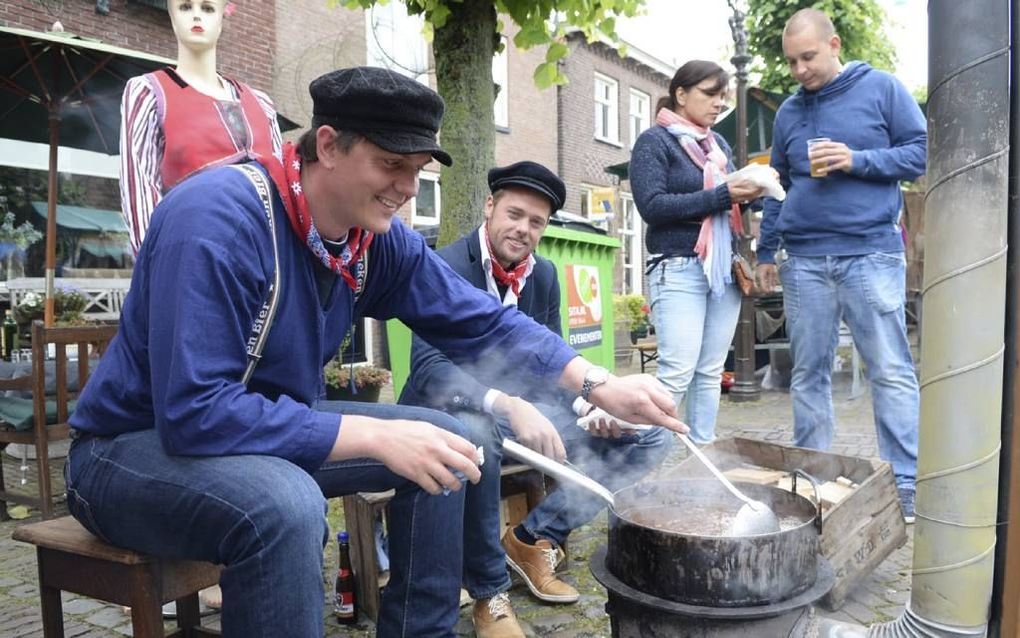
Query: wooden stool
[[360, 512], [71, 559]]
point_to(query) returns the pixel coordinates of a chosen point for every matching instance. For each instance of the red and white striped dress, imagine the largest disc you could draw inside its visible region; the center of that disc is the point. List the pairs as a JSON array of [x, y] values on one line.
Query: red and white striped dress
[[169, 131]]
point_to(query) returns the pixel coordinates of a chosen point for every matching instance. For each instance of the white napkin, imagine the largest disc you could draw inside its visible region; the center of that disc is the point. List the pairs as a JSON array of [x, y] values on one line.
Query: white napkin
[[761, 175]]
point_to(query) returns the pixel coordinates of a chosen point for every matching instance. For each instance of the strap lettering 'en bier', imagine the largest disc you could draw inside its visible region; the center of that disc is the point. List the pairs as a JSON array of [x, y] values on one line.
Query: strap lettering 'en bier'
[[267, 312]]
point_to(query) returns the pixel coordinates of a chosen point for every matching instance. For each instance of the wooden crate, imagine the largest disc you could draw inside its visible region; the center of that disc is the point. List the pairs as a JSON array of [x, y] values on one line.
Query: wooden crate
[[858, 532]]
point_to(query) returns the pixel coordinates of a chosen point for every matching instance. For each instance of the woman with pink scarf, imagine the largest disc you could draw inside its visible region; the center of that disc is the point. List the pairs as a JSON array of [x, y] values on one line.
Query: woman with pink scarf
[[677, 173]]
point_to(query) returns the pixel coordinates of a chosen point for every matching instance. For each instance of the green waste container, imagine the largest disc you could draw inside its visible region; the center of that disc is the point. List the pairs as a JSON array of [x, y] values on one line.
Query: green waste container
[[584, 264]]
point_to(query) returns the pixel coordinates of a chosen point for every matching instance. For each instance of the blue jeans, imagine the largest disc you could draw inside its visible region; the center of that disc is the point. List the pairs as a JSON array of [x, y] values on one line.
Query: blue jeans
[[869, 292], [264, 519], [694, 330], [616, 463]]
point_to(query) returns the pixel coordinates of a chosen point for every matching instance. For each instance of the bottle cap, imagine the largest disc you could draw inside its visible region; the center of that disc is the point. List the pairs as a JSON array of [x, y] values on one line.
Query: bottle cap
[[342, 537]]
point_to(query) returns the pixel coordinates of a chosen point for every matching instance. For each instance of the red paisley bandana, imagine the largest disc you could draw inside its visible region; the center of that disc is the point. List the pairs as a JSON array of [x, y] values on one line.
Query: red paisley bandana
[[300, 218], [512, 278]]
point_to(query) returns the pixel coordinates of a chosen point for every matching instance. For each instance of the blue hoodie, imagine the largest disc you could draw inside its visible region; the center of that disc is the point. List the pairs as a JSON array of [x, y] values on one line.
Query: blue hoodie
[[851, 213]]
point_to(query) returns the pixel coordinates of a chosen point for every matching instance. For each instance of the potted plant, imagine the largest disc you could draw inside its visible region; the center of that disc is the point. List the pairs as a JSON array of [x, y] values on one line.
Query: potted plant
[[68, 307], [368, 381], [636, 309]]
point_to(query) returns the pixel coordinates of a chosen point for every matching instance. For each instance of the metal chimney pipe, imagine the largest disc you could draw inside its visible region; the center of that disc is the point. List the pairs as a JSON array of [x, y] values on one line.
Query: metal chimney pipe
[[962, 341]]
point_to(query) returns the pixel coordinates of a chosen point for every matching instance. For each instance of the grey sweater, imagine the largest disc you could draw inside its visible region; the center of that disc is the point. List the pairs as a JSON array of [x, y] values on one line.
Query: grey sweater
[[669, 192]]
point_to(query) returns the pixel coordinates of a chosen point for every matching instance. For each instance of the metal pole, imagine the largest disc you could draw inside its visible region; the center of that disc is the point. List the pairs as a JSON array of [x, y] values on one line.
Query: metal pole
[[745, 386]]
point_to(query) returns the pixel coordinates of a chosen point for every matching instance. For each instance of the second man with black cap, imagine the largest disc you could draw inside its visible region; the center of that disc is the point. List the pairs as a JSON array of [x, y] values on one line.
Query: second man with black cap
[[498, 257]]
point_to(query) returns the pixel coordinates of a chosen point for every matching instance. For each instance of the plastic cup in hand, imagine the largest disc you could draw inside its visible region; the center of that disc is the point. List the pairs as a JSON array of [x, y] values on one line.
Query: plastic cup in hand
[[819, 168]]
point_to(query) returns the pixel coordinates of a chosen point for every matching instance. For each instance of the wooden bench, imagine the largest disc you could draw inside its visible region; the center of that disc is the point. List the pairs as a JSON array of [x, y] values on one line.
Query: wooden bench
[[521, 489], [648, 351], [71, 559]]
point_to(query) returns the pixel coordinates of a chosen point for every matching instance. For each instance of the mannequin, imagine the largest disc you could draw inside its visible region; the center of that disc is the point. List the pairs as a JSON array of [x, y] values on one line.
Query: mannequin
[[175, 122]]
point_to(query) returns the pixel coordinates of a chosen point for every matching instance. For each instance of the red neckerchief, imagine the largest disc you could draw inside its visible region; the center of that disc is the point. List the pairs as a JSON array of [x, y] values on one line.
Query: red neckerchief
[[512, 278], [296, 205]]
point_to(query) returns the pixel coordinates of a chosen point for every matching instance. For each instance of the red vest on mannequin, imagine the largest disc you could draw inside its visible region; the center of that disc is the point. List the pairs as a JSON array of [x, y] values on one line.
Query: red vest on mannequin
[[201, 131]]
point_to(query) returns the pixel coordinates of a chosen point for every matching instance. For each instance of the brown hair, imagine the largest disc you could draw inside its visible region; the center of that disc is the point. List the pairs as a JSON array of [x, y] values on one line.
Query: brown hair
[[690, 75], [345, 141]]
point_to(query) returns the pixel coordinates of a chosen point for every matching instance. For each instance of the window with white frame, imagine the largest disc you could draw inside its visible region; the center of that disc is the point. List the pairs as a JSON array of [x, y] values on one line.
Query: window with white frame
[[425, 206], [630, 238], [639, 114], [607, 109], [394, 40], [500, 77]]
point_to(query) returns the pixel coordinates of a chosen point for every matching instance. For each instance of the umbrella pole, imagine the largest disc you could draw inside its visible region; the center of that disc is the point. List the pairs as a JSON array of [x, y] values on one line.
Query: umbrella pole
[[51, 218]]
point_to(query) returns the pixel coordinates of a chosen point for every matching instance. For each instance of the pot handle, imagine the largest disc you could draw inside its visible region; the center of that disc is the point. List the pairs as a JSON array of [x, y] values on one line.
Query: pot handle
[[818, 499]]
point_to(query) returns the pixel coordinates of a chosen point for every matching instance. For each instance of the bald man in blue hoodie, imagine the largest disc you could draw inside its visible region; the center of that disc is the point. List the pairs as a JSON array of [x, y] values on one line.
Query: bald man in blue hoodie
[[842, 239]]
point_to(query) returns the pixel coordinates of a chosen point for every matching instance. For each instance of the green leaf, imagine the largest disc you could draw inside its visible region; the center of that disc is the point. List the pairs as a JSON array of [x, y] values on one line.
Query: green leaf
[[545, 75], [557, 51]]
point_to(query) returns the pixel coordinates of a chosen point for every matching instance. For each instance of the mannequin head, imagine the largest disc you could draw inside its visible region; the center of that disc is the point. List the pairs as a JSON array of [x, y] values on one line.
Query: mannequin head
[[197, 23]]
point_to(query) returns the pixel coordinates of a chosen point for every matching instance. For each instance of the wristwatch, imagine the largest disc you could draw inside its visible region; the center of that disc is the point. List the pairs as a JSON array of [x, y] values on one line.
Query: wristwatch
[[593, 378]]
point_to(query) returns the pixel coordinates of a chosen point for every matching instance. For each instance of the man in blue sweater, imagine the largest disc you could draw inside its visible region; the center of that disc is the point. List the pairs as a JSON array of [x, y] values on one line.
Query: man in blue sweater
[[841, 235], [184, 448]]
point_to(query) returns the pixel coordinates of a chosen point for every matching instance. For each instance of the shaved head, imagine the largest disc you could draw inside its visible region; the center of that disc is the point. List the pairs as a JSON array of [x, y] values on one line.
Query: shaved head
[[812, 19]]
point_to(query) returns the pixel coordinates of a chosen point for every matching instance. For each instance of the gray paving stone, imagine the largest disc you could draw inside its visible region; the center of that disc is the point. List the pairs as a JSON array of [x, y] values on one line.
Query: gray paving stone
[[81, 606]]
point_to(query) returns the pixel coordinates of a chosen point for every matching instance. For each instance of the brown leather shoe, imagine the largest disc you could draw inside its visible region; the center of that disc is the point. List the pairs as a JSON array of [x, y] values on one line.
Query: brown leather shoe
[[536, 565], [494, 618]]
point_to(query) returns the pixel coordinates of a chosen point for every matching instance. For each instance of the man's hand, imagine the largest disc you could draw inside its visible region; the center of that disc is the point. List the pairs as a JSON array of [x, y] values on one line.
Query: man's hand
[[416, 450], [638, 398], [836, 156], [531, 428], [767, 277]]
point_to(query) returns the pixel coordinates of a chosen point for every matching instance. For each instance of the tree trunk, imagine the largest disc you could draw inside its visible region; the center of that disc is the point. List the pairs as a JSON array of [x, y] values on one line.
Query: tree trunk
[[464, 47]]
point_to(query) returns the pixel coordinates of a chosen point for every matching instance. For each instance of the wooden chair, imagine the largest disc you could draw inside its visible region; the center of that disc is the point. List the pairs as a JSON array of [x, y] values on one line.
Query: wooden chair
[[71, 559], [49, 414]]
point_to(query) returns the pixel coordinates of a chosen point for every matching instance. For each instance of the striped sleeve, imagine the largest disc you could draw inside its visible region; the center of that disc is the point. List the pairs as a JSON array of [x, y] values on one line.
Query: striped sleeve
[[141, 152], [274, 125]]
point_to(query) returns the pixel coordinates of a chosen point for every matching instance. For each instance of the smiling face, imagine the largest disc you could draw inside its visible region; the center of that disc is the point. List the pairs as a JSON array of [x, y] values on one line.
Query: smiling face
[[703, 102], [515, 218], [813, 59], [362, 186], [197, 23]]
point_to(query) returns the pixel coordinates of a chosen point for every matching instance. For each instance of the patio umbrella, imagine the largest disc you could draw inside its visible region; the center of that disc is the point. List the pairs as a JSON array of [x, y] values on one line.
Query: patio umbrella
[[62, 90]]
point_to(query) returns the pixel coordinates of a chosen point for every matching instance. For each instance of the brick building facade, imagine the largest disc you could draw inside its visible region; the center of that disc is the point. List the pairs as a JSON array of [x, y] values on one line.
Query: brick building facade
[[607, 103]]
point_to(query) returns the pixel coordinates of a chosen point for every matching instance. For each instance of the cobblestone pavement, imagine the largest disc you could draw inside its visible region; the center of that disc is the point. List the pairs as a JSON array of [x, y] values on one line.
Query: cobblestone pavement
[[880, 597]]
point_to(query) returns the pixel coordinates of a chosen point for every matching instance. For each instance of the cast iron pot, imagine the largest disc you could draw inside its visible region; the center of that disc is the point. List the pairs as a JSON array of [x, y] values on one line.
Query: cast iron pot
[[647, 553], [711, 569]]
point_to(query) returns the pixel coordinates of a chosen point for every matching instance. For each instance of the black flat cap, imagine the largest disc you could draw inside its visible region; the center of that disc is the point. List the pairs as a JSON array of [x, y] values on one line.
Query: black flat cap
[[392, 111], [530, 175]]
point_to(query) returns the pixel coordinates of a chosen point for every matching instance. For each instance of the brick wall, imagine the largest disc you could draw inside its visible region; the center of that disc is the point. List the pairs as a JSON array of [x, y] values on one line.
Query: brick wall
[[245, 50], [312, 39], [583, 158], [532, 133]]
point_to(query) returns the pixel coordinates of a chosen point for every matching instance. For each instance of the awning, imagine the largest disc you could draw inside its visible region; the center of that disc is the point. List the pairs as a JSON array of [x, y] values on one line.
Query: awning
[[106, 247], [80, 218]]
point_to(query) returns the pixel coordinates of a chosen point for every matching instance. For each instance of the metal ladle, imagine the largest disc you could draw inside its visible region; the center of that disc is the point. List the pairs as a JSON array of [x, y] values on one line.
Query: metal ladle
[[753, 517]]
